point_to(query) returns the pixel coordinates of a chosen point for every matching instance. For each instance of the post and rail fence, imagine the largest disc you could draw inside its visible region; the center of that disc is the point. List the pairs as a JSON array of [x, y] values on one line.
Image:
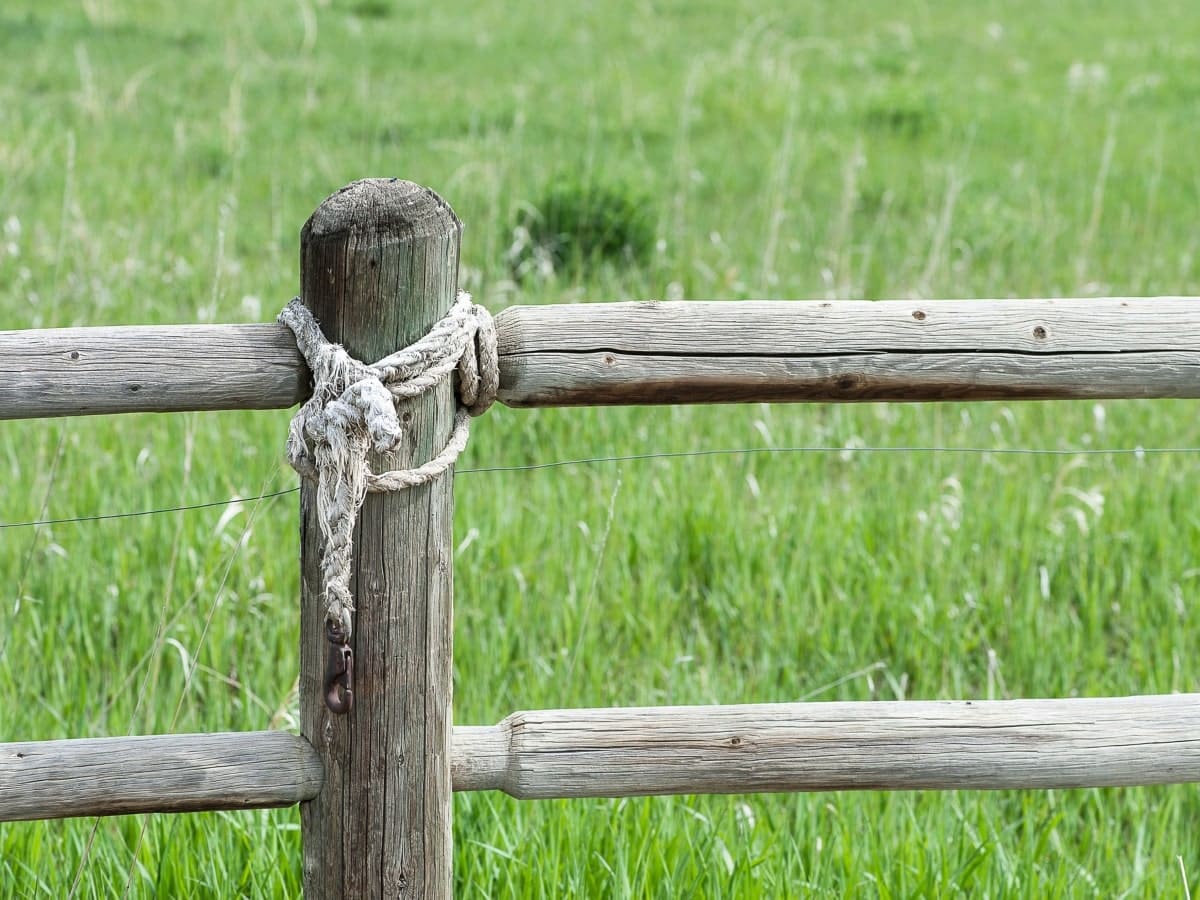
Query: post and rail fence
[[379, 265]]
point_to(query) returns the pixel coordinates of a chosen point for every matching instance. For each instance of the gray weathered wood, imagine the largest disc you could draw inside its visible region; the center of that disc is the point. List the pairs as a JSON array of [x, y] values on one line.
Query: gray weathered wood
[[632, 353], [609, 378], [100, 371], [163, 773], [711, 352], [379, 265], [913, 745]]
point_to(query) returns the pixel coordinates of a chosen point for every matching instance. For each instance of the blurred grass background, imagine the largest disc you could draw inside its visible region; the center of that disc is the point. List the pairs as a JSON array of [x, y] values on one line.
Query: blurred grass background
[[156, 164]]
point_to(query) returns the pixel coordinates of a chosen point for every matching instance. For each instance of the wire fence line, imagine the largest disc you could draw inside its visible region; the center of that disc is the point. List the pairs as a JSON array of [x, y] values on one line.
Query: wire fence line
[[149, 512], [640, 457]]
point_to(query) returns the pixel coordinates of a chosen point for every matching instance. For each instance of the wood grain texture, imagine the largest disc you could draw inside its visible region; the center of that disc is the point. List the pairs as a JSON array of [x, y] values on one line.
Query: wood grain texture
[[643, 353], [164, 773], [609, 378], [101, 371], [916, 745], [847, 351], [379, 265]]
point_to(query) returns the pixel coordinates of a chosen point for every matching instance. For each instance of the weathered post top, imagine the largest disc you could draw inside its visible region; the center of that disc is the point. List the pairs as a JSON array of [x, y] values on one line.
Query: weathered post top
[[357, 228], [379, 266]]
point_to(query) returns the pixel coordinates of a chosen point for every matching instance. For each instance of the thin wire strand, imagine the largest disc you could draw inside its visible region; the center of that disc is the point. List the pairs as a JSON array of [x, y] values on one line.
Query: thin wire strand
[[51, 483], [1027, 451], [192, 664], [637, 457], [149, 512]]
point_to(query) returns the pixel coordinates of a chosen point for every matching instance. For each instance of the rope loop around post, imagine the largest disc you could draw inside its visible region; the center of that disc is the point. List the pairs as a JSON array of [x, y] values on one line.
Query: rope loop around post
[[353, 410]]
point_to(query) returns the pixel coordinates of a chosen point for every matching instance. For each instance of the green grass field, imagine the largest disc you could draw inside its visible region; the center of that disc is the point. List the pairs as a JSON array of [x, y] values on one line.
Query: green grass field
[[156, 163]]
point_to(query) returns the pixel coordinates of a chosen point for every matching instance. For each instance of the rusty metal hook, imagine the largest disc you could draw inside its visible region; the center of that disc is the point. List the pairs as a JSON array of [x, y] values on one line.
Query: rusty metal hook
[[339, 672]]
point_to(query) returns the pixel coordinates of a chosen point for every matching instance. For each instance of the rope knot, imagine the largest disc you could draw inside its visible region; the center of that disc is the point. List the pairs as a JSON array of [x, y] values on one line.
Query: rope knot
[[352, 410]]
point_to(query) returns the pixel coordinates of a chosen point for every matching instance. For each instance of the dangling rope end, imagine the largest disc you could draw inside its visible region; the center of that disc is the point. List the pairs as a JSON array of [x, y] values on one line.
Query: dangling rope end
[[353, 409]]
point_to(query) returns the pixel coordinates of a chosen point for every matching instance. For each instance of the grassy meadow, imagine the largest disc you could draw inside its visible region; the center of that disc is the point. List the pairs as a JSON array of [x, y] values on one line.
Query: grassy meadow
[[157, 161]]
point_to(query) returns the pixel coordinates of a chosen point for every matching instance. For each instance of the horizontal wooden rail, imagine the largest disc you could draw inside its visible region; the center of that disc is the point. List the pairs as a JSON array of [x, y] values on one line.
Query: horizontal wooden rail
[[834, 747], [99, 371], [847, 351], [164, 773], [647, 353], [916, 745]]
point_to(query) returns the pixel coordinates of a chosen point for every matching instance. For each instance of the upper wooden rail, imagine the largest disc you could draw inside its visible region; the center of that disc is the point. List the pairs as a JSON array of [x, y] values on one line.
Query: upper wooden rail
[[847, 351], [124, 369], [646, 353]]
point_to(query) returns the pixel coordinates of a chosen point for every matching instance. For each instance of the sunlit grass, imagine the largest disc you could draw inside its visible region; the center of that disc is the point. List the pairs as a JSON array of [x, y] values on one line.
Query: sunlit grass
[[156, 163]]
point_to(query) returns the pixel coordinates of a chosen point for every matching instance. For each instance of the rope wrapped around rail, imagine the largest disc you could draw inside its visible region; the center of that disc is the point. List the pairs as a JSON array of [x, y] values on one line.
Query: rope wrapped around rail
[[353, 410]]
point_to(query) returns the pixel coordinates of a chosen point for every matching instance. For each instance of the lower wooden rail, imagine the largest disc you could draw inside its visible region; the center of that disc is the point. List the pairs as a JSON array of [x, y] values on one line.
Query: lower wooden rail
[[913, 745], [834, 747], [163, 773]]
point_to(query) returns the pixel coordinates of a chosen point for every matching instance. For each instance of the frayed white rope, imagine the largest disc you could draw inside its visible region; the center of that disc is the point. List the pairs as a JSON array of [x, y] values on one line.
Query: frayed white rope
[[353, 409]]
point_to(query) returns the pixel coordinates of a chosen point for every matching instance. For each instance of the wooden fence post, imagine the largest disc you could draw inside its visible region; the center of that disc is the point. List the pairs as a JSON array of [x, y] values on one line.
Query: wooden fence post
[[379, 265]]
